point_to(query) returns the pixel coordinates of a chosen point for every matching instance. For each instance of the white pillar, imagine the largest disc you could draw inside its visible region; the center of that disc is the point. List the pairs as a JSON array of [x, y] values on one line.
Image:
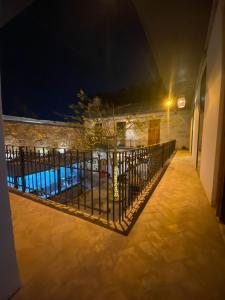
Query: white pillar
[[9, 274]]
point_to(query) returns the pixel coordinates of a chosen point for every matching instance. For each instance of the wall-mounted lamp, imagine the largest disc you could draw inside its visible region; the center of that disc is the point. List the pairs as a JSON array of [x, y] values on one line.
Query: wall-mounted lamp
[[181, 102]]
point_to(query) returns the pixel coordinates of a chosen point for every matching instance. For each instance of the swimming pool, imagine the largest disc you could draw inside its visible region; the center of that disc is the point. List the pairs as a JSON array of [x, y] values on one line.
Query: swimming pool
[[47, 182]]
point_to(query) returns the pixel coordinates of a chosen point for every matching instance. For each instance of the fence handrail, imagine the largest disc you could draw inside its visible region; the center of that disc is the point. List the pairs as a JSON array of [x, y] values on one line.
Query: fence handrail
[[62, 150]]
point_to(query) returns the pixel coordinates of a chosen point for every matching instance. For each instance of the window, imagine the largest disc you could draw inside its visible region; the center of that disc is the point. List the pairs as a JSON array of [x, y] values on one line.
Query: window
[[121, 133]]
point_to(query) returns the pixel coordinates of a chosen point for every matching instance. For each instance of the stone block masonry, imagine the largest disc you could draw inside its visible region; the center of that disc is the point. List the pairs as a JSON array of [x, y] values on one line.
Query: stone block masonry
[[35, 133], [41, 133]]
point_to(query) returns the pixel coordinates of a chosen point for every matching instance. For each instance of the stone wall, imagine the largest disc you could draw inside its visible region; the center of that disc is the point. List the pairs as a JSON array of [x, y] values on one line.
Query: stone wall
[[28, 132], [179, 127]]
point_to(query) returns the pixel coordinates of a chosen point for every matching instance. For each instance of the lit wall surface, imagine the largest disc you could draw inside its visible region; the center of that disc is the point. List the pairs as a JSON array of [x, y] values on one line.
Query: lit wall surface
[[213, 100], [212, 104]]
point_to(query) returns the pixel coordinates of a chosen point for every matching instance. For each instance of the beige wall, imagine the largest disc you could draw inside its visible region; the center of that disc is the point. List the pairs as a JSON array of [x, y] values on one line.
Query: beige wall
[[195, 133], [195, 115], [214, 95], [215, 54]]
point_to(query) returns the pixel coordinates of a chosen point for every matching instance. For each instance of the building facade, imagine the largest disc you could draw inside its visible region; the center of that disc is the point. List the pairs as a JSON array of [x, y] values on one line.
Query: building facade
[[156, 128], [148, 128]]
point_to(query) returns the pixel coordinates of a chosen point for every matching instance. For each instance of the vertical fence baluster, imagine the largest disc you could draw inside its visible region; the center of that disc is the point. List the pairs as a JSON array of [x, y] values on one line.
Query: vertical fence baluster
[[10, 162], [149, 165], [84, 175], [19, 167], [142, 177], [44, 170], [35, 169], [15, 170], [9, 167], [59, 185], [125, 184], [65, 174], [119, 185], [129, 177], [22, 168], [71, 178], [55, 171], [107, 184], [49, 174], [99, 184], [40, 172], [135, 172], [113, 177], [137, 168], [132, 177], [32, 169], [16, 167], [92, 192], [27, 169], [122, 183], [79, 180]]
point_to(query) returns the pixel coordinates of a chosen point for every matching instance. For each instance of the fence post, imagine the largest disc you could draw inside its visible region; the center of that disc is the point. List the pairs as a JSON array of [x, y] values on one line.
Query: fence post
[[16, 182], [58, 169], [22, 168], [59, 180], [163, 155]]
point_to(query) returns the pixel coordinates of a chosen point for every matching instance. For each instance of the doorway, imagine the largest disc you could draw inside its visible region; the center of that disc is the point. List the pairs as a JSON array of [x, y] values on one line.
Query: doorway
[[154, 132]]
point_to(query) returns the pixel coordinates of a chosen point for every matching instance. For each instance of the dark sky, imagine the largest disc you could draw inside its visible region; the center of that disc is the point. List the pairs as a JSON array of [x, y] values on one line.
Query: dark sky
[[55, 47]]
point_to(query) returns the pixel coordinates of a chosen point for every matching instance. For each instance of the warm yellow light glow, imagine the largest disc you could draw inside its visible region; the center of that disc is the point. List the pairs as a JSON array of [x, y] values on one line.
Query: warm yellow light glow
[[169, 102], [116, 191]]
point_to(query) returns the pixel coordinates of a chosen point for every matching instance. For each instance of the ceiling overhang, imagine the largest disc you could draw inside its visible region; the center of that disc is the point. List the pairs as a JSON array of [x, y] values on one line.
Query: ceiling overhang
[[11, 8], [176, 32]]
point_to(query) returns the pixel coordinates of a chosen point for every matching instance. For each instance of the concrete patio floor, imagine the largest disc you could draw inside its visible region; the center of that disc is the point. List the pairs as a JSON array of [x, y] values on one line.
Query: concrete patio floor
[[175, 251]]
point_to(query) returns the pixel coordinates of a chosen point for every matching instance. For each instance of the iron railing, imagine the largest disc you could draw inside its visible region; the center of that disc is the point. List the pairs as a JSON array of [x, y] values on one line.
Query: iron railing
[[101, 183]]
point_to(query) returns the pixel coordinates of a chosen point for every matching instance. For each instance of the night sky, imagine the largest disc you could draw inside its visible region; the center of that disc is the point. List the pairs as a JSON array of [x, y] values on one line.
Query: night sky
[[56, 47]]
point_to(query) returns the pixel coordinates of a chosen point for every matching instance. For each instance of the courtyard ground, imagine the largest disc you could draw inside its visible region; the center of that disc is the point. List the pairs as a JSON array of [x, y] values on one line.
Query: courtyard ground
[[175, 251]]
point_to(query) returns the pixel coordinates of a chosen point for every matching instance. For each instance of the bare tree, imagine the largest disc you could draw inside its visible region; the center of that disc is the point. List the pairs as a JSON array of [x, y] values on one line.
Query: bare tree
[[100, 128]]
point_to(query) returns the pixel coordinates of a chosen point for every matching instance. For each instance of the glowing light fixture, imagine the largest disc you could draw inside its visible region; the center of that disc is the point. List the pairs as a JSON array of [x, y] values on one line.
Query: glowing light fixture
[[169, 102], [181, 102]]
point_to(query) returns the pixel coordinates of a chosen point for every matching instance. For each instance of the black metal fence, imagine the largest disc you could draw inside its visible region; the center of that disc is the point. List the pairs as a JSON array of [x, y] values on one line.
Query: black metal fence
[[102, 183]]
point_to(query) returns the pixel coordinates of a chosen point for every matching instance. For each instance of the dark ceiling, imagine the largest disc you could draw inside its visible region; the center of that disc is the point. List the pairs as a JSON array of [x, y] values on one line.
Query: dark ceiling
[[10, 8], [176, 31]]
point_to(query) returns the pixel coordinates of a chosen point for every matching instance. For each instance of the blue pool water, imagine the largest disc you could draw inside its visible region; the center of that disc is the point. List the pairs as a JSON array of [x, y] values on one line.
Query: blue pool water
[[47, 182]]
